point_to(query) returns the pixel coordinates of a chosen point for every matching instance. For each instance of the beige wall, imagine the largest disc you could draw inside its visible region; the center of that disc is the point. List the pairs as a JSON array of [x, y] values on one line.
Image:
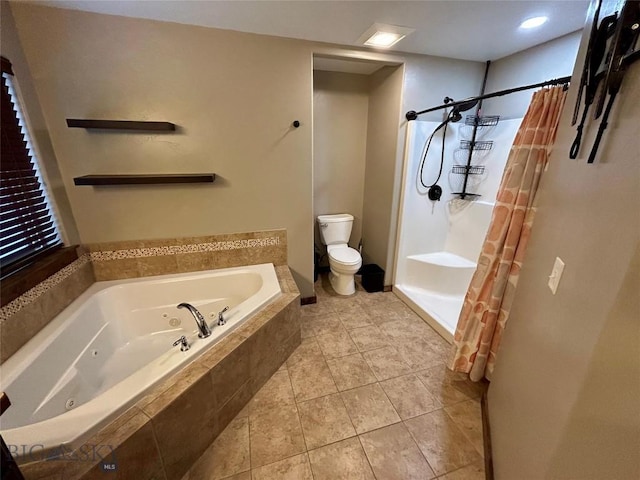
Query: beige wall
[[233, 96], [564, 396], [12, 49], [340, 105], [385, 95], [552, 59]]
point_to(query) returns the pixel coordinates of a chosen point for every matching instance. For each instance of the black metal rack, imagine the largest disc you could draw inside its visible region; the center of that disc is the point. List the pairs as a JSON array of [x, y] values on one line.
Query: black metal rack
[[476, 144], [468, 169], [483, 121]]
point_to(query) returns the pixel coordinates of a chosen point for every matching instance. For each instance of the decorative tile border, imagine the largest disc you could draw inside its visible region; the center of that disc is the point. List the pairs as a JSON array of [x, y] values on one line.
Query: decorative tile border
[[32, 295], [178, 249]]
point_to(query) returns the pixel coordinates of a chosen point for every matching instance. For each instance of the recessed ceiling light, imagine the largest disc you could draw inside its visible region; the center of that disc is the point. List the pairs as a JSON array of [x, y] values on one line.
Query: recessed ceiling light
[[534, 22], [384, 39], [383, 36]]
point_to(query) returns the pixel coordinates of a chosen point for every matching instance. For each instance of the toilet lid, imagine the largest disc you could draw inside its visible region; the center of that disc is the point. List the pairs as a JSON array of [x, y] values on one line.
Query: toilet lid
[[346, 256]]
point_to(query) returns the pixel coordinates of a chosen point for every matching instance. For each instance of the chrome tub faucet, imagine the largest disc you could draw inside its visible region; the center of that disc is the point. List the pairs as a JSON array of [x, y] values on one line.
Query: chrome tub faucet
[[204, 329]]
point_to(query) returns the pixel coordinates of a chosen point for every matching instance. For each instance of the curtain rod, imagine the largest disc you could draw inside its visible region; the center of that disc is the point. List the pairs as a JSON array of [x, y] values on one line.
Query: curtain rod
[[412, 114]]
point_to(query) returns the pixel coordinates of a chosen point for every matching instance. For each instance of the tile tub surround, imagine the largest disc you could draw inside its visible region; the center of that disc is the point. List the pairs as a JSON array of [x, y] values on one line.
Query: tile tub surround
[[23, 317], [355, 409], [166, 431], [130, 259]]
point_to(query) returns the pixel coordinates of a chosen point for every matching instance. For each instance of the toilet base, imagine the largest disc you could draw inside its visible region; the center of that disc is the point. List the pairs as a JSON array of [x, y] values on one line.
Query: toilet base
[[342, 284]]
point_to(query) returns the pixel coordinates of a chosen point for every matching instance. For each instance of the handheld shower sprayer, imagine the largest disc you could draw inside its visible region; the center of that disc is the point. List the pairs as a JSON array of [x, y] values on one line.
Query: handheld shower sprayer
[[455, 115], [435, 191]]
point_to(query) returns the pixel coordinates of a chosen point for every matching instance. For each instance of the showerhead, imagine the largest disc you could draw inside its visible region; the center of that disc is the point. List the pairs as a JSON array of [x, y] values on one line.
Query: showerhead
[[468, 105], [455, 115], [463, 107]]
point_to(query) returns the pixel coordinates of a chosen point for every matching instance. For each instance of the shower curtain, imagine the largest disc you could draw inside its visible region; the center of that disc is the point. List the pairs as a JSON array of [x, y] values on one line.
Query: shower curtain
[[490, 295]]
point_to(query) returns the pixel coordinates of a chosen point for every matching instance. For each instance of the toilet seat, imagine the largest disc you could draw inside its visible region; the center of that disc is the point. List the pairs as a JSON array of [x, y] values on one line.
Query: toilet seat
[[345, 255]]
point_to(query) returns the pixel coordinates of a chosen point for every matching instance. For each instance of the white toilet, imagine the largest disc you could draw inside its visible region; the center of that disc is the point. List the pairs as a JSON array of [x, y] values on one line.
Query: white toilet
[[344, 261]]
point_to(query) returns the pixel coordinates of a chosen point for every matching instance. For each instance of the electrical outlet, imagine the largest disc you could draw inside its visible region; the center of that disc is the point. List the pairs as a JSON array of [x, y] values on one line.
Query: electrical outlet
[[556, 274]]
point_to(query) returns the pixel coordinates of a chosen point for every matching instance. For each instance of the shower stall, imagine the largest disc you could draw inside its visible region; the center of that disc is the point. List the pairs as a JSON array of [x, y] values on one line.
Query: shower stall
[[439, 242]]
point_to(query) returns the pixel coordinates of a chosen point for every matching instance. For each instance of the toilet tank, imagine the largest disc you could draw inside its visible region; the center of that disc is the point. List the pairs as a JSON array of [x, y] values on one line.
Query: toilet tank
[[335, 229]]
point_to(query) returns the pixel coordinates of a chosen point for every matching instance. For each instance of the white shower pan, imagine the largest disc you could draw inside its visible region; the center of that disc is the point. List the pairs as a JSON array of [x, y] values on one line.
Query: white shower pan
[[435, 283]]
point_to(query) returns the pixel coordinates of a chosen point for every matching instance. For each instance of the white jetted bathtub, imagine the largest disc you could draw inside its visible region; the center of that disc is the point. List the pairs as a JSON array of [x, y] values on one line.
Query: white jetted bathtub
[[114, 343]]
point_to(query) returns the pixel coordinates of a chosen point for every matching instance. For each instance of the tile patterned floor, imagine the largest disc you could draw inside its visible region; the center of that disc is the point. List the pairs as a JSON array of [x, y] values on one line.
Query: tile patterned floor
[[366, 396]]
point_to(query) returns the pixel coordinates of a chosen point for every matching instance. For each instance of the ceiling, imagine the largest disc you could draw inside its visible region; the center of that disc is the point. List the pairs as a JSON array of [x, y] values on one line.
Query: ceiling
[[477, 30]]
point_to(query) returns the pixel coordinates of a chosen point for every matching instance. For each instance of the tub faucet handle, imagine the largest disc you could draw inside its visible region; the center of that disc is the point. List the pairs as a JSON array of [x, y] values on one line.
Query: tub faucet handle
[[182, 341], [221, 320]]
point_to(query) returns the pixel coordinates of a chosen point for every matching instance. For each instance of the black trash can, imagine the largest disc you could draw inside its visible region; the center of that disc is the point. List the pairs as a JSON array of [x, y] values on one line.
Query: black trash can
[[372, 278]]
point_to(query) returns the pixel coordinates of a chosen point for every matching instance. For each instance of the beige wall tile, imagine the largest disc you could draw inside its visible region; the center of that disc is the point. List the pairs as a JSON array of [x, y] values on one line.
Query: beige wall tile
[[221, 349], [20, 328], [160, 265], [51, 470], [180, 445], [272, 344], [234, 407], [116, 269], [137, 457], [228, 455], [162, 395], [393, 454], [194, 262], [128, 441], [287, 283], [263, 316], [230, 373]]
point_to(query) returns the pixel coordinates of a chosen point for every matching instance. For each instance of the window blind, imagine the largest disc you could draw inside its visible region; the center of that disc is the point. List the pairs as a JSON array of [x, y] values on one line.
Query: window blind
[[27, 227]]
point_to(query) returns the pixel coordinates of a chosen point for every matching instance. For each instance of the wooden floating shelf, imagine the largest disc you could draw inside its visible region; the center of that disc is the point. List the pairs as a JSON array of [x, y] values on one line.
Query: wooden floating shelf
[[145, 179], [121, 125]]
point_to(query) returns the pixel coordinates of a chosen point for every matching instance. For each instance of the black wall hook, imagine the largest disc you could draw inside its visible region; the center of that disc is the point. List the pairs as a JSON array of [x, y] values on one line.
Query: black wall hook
[[295, 124]]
